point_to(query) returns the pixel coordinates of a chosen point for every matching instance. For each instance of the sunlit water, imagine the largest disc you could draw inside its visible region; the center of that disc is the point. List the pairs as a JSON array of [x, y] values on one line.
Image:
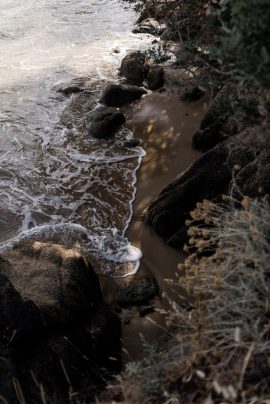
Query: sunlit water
[[56, 182]]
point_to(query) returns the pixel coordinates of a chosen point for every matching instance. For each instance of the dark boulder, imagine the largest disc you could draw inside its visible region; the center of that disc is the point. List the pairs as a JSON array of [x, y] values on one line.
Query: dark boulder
[[132, 68], [239, 166], [103, 123], [58, 281], [117, 95], [137, 292], [155, 78]]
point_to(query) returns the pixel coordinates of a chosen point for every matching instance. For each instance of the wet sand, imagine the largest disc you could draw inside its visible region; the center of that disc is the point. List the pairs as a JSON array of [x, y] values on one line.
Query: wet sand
[[165, 125]]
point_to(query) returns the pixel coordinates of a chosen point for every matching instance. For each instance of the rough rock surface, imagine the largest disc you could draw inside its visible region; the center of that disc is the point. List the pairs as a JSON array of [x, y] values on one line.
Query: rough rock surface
[[149, 26], [117, 95], [155, 78], [59, 281], [239, 166], [103, 123], [137, 292], [57, 337], [132, 68]]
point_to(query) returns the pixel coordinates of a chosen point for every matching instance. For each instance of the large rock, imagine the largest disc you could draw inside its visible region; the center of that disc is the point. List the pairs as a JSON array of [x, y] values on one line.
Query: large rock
[[149, 26], [239, 166], [57, 280], [103, 123], [117, 95], [155, 77], [58, 342], [132, 68]]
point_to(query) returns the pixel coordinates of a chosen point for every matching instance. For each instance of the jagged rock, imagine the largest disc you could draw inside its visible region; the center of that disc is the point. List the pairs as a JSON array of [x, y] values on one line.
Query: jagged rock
[[239, 166], [58, 281], [149, 26], [117, 95], [137, 292], [155, 78], [132, 68], [103, 123]]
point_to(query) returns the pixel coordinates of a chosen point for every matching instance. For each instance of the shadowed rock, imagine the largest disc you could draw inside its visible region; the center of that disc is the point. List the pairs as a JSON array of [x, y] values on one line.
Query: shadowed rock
[[116, 95], [239, 166], [57, 337], [155, 77], [103, 123], [132, 68], [137, 292]]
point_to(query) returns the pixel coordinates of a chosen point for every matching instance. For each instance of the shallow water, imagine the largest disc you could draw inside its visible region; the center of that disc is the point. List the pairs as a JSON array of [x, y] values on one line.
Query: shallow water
[[57, 183]]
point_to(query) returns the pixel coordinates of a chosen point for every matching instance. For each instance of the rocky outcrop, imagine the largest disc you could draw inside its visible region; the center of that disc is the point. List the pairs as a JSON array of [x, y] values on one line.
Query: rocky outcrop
[[137, 293], [116, 95], [155, 77], [149, 26], [132, 68], [103, 123], [58, 339], [239, 166]]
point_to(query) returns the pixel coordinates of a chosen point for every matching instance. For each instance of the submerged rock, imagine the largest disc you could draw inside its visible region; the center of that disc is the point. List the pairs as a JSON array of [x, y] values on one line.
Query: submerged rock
[[155, 78], [103, 123], [117, 95], [74, 86], [239, 166], [137, 292], [132, 68]]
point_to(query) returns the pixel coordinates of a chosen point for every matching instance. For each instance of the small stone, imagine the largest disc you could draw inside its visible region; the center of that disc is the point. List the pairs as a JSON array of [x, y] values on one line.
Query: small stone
[[132, 143], [137, 292]]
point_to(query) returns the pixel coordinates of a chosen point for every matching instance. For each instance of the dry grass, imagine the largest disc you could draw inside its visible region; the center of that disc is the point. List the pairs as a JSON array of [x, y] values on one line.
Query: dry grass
[[220, 352]]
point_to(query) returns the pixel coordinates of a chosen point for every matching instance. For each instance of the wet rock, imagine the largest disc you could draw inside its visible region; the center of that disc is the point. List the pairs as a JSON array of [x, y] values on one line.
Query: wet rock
[[132, 143], [192, 94], [58, 281], [149, 26], [137, 292], [104, 122], [132, 68], [74, 86], [117, 95], [155, 78], [237, 166]]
